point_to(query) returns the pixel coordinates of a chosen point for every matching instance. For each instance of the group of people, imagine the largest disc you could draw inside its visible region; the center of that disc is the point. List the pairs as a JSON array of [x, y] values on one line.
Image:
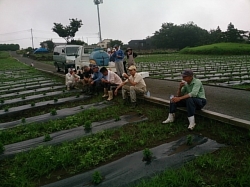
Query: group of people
[[190, 94]]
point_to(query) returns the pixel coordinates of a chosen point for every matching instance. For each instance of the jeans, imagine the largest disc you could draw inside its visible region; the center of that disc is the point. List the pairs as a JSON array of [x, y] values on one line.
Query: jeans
[[191, 103]]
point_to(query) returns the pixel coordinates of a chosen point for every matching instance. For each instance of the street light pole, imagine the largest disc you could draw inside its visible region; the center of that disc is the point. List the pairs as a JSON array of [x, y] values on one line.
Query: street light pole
[[97, 2]]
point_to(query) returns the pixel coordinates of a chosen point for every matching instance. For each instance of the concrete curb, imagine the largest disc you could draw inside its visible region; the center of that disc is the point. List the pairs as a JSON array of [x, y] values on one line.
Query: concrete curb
[[206, 113]]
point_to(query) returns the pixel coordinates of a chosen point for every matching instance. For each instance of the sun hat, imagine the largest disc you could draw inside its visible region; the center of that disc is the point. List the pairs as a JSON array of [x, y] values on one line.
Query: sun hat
[[132, 67]]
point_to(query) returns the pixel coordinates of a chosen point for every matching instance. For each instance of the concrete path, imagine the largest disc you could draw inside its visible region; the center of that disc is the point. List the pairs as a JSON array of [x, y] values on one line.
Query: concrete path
[[228, 101]]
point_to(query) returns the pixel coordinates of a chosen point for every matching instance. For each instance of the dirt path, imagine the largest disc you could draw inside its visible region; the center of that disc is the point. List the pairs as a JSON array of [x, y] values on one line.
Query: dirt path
[[232, 102]]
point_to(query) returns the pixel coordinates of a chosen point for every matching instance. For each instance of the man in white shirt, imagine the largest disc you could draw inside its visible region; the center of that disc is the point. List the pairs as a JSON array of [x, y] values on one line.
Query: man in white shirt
[[134, 84], [110, 80], [71, 79]]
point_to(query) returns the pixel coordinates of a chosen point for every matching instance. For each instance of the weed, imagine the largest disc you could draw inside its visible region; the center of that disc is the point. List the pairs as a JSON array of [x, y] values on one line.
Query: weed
[[189, 139], [97, 178], [53, 112], [147, 155], [23, 120], [87, 125], [1, 148], [47, 138]]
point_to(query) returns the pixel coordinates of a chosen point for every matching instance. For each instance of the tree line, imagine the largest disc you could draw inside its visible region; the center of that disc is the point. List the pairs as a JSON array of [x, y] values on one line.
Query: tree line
[[172, 36], [9, 47]]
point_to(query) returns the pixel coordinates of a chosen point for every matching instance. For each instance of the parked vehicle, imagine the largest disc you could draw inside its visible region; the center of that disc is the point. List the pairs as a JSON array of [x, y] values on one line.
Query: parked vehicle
[[64, 57]]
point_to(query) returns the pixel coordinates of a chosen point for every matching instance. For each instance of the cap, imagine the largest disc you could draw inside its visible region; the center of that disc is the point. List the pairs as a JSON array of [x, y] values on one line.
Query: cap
[[132, 67], [128, 49], [187, 72], [115, 45]]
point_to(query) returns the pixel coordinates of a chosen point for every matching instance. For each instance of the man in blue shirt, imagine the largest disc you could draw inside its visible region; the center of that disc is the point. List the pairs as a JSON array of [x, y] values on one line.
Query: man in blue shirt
[[119, 56], [96, 80]]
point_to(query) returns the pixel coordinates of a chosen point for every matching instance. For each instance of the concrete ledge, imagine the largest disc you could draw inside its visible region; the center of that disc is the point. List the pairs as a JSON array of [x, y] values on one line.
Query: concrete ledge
[[205, 113]]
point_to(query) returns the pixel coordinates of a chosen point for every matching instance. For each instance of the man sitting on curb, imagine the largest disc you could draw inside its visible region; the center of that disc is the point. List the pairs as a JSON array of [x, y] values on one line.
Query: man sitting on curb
[[191, 94], [134, 84], [110, 80], [71, 79], [95, 83]]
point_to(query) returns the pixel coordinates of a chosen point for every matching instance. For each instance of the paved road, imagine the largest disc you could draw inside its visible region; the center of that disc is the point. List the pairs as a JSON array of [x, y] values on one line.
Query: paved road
[[232, 102]]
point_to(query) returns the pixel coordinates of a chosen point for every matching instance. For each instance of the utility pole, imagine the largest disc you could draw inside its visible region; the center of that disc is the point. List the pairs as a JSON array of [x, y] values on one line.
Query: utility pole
[[32, 39], [97, 2]]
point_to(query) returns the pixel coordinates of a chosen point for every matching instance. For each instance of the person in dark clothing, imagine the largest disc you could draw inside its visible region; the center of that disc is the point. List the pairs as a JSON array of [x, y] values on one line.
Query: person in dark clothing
[[87, 73]]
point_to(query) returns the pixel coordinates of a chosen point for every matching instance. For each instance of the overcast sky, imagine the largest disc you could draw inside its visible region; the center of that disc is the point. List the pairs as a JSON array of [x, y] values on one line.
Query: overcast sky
[[124, 20]]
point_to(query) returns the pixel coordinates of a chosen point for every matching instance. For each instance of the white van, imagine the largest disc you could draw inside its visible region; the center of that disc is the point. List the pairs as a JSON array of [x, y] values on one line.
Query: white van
[[64, 57], [82, 57]]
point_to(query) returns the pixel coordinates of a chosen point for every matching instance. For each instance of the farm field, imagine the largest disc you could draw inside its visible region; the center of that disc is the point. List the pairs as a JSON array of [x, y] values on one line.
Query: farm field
[[215, 70], [82, 142]]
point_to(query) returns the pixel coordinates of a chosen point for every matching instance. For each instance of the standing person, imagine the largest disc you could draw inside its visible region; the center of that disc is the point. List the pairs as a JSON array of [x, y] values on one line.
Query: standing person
[[110, 80], [119, 56], [95, 83], [71, 79], [191, 94], [134, 84], [130, 57]]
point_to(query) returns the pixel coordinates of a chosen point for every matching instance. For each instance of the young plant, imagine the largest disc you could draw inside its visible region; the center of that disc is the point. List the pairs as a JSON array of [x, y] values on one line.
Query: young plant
[[23, 97], [2, 101], [147, 155], [55, 100], [53, 112], [97, 178], [1, 148], [78, 95], [47, 138], [117, 118], [87, 125], [32, 104], [189, 139], [23, 120], [6, 109]]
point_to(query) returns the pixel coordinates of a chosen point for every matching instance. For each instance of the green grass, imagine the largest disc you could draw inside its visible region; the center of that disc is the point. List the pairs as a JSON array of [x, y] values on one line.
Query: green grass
[[219, 49]]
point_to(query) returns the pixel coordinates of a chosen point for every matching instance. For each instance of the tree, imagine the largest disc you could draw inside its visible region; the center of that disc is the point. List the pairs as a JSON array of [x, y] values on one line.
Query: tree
[[48, 44], [77, 42], [67, 32], [115, 42]]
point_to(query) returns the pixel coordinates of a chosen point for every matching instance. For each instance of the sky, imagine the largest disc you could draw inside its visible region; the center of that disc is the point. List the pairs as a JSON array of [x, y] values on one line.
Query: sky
[[120, 20]]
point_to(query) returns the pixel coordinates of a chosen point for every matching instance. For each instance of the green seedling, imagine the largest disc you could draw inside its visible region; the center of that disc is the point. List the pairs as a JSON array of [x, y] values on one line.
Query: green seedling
[[1, 148], [63, 91], [55, 100], [147, 155], [1, 101], [47, 138], [78, 95], [117, 118], [189, 139], [23, 120], [6, 109], [44, 93], [97, 178], [23, 97], [81, 107], [53, 112], [87, 125], [32, 104]]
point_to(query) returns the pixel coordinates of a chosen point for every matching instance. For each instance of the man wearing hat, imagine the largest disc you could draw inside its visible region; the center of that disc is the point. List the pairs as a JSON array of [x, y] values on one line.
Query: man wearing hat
[[130, 57], [191, 94], [71, 78], [134, 84], [119, 56]]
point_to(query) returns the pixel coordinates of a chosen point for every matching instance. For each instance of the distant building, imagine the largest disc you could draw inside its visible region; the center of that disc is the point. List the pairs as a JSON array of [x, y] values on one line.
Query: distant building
[[104, 43], [139, 44]]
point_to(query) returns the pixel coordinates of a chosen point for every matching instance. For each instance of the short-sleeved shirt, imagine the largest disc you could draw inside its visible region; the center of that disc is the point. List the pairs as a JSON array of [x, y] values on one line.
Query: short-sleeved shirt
[[194, 89], [139, 80]]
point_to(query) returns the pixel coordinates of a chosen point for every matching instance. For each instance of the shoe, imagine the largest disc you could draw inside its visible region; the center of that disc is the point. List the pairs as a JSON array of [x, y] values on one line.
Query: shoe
[[170, 118], [191, 123], [105, 92], [110, 93]]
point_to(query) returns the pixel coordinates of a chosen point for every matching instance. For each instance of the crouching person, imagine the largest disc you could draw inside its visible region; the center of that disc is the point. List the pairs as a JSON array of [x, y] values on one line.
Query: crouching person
[[134, 84], [110, 80], [71, 79], [190, 94], [95, 83]]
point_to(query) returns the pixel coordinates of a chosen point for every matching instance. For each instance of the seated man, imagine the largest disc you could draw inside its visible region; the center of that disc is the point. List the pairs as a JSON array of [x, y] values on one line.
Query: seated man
[[71, 79], [87, 73], [191, 94], [95, 83], [110, 79], [134, 84]]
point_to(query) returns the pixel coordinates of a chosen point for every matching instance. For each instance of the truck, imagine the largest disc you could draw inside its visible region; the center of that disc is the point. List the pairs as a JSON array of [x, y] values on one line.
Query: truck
[[64, 57]]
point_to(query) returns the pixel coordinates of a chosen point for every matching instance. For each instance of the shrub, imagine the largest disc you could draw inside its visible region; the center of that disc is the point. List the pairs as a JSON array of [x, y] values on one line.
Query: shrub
[[87, 125], [47, 138], [97, 178]]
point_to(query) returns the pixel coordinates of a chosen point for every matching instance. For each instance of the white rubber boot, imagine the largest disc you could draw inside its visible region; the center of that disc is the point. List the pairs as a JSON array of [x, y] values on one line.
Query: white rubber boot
[[105, 92], [110, 95], [170, 118], [191, 123]]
